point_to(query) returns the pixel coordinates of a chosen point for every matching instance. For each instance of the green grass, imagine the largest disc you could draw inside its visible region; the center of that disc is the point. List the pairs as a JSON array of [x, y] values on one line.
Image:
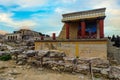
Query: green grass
[[5, 57]]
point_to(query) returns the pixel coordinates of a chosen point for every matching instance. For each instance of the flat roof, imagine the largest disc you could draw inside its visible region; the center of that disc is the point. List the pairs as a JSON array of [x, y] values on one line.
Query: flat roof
[[85, 11], [84, 15]]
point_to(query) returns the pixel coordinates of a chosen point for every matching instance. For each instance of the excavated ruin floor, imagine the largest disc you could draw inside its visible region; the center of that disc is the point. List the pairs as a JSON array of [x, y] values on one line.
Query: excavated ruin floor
[[10, 71]]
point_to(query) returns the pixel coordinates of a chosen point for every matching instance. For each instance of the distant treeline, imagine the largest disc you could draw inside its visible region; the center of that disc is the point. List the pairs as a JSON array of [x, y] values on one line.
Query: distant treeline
[[116, 40]]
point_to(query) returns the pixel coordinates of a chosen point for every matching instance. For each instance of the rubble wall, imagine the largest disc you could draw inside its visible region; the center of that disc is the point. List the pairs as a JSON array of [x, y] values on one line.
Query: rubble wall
[[82, 49]]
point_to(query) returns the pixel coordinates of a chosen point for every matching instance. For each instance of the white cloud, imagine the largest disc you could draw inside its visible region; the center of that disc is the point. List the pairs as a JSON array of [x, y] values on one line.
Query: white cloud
[[23, 4], [49, 23], [30, 3], [63, 10], [102, 3], [7, 2], [68, 1], [7, 19], [47, 20], [59, 10], [111, 5]]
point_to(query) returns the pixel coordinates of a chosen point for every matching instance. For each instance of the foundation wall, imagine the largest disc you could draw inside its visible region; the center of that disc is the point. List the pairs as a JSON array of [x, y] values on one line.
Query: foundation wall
[[82, 49]]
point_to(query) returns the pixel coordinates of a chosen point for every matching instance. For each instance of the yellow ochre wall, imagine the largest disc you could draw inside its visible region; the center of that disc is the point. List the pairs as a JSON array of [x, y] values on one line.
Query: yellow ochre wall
[[73, 28], [82, 49]]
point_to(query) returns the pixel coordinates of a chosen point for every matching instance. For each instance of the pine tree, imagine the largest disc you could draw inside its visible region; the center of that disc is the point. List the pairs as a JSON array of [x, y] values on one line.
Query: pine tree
[[117, 41], [113, 38], [109, 37]]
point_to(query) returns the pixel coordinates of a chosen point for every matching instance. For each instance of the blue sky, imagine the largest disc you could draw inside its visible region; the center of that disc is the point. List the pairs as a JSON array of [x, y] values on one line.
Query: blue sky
[[45, 15]]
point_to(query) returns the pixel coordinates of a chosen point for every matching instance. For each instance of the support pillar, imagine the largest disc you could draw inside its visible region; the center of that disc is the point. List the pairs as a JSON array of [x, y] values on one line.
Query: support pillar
[[83, 26], [79, 32], [42, 38], [67, 30], [53, 36], [98, 30], [101, 27]]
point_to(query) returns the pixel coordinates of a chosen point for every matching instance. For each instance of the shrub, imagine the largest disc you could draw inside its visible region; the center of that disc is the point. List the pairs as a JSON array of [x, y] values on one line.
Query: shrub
[[5, 57]]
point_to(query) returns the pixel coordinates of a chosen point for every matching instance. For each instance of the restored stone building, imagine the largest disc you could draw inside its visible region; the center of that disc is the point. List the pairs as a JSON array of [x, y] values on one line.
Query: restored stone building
[[13, 37], [82, 35], [84, 24], [23, 34], [27, 34]]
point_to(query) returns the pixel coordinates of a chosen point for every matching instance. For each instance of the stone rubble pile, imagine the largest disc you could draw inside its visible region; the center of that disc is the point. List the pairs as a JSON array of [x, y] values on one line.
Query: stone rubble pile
[[57, 61], [3, 48], [114, 72]]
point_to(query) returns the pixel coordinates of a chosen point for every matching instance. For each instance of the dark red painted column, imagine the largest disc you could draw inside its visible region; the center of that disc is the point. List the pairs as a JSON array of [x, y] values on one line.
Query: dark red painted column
[[67, 30], [83, 26], [101, 27], [79, 32], [53, 36], [42, 38]]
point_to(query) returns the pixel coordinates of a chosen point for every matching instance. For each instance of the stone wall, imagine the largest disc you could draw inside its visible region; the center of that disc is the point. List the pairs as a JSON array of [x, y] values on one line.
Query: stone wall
[[28, 32], [72, 32], [13, 37], [23, 34], [62, 34], [81, 48]]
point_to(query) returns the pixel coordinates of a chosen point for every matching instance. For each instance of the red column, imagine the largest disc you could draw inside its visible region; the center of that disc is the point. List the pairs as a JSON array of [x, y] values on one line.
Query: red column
[[53, 36], [79, 32], [83, 26], [42, 38], [67, 30], [101, 27]]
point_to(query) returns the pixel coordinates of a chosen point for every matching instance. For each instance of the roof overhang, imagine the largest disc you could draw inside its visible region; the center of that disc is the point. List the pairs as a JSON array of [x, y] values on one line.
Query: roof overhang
[[84, 15]]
